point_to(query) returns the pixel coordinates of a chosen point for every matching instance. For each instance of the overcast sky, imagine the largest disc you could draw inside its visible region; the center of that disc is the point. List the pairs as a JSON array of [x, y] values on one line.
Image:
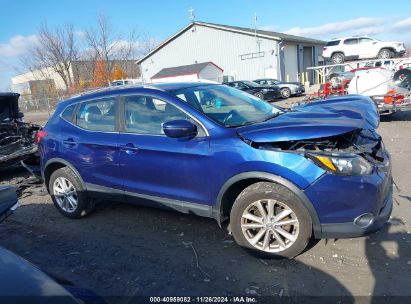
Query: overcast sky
[[20, 20]]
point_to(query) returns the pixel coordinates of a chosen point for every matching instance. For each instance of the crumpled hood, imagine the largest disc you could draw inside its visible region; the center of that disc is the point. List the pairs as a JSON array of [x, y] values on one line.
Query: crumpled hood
[[331, 117]]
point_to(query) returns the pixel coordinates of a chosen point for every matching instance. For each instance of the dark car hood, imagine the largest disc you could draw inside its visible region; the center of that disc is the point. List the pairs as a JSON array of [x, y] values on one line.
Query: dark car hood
[[331, 117], [19, 278]]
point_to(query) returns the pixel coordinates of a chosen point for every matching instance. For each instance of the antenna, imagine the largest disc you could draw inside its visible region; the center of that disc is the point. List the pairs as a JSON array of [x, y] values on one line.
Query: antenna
[[192, 16], [258, 41]]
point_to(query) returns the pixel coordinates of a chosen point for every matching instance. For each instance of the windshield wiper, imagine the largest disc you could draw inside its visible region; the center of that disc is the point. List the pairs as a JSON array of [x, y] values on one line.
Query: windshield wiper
[[273, 115], [246, 123]]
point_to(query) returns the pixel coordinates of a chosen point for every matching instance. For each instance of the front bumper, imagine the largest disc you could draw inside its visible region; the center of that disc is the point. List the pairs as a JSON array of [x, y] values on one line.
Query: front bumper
[[270, 95], [340, 200], [347, 230]]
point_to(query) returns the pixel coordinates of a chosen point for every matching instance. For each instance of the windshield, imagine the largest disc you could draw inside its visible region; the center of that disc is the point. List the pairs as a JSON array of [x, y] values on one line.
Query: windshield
[[251, 83], [227, 106]]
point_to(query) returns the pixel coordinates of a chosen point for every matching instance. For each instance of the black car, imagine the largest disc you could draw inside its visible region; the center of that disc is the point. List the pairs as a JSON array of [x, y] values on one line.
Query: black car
[[17, 138], [260, 91], [287, 89], [22, 282]]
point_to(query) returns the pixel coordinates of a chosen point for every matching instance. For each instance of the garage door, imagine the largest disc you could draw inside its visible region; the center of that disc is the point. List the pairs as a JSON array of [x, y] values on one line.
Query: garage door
[[291, 62]]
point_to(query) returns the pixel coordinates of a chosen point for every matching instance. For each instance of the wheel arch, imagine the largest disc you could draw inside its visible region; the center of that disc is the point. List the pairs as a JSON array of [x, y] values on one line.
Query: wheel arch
[[390, 48], [233, 187], [55, 164], [335, 52]]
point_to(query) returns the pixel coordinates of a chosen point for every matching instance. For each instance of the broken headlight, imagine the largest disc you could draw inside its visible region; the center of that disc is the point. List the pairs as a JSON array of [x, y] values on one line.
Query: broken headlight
[[349, 164]]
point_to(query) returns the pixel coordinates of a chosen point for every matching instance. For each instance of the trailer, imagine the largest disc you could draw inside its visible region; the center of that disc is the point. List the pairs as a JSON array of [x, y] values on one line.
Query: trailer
[[323, 72], [387, 82]]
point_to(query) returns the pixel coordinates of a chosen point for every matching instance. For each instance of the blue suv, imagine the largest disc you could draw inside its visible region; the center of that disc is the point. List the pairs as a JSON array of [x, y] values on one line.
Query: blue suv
[[277, 177]]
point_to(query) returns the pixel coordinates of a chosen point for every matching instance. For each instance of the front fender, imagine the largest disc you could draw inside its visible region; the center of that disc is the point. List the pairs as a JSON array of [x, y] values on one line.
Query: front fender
[[218, 208]]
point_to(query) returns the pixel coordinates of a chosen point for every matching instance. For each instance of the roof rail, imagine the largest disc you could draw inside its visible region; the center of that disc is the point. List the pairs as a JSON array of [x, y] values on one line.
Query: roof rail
[[111, 88]]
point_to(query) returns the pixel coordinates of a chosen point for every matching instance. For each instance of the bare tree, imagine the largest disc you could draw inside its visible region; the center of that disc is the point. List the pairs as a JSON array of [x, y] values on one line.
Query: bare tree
[[54, 52], [104, 43], [59, 52], [146, 45]]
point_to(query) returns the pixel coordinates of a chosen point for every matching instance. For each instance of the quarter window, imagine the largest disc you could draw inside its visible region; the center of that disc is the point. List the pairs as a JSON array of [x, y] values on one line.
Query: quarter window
[[146, 115], [333, 43], [365, 40], [68, 113], [97, 115]]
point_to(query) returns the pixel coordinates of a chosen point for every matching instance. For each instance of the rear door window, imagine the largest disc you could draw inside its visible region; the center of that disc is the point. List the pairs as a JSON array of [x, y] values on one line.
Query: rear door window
[[351, 41], [97, 115]]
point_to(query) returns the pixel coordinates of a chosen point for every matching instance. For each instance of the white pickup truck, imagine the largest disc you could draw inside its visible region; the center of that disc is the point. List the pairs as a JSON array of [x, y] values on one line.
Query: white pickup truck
[[353, 48]]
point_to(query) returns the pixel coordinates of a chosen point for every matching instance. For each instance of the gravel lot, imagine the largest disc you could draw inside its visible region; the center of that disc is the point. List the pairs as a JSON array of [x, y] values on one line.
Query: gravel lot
[[131, 250]]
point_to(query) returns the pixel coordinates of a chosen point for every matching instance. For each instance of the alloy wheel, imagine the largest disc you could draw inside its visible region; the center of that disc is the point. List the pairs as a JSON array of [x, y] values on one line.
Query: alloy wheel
[[384, 54], [337, 59], [269, 225], [285, 93], [65, 194]]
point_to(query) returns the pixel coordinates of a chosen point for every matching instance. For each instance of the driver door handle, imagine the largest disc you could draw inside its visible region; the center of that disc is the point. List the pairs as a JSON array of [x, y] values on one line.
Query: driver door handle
[[129, 148]]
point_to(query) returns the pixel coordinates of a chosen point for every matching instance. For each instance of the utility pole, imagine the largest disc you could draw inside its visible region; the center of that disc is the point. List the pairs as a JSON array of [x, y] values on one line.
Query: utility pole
[[257, 41]]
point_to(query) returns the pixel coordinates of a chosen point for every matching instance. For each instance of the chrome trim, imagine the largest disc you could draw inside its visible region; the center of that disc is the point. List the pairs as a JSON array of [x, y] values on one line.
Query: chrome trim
[[15, 206], [360, 216], [133, 94]]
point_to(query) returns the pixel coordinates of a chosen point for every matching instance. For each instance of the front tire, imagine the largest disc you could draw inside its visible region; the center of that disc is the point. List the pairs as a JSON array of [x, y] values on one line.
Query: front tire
[[68, 194], [338, 58], [271, 221], [259, 95], [285, 93]]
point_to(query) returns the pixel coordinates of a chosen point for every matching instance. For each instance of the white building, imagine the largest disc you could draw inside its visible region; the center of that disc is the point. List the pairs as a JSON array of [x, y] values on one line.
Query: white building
[[242, 53], [204, 70], [80, 70]]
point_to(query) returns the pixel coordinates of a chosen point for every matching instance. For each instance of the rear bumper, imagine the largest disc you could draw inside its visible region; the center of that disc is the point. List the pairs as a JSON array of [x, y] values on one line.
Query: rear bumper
[[399, 53], [347, 230], [298, 91]]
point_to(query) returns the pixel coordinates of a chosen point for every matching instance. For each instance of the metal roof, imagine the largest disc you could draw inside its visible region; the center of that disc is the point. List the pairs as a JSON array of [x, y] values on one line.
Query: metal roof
[[241, 30], [183, 70]]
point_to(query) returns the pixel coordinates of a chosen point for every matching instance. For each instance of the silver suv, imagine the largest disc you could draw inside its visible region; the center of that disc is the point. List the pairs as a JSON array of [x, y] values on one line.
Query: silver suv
[[352, 48]]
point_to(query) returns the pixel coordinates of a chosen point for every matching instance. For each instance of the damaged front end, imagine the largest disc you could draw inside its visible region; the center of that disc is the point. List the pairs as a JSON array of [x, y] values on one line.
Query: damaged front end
[[352, 153], [17, 138], [338, 135]]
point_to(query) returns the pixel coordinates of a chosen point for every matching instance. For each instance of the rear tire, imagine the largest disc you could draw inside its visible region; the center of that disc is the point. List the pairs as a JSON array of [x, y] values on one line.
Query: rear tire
[[385, 54], [285, 93], [338, 58], [257, 225], [68, 194]]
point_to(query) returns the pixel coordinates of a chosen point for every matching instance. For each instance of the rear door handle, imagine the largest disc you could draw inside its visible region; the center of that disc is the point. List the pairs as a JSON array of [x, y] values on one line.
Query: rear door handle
[[69, 142], [129, 148]]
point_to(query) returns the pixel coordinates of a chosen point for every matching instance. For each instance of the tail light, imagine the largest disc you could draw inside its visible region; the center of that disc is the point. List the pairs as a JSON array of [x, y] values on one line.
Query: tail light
[[324, 48], [40, 135]]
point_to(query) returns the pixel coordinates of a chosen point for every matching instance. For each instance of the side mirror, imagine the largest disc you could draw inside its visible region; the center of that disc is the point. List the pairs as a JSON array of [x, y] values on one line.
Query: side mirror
[[180, 129]]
